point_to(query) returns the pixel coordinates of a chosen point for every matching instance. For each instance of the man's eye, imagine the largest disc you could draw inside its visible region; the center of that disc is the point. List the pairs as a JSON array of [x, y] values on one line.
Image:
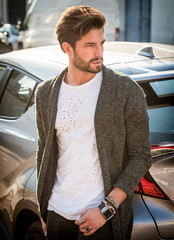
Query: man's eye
[[89, 45]]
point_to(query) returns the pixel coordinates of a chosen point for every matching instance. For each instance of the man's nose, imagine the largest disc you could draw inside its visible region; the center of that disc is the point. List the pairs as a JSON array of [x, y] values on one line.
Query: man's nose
[[99, 51]]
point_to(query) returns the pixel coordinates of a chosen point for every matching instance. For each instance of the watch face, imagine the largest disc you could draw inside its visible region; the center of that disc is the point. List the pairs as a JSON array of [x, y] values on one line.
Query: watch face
[[107, 213]]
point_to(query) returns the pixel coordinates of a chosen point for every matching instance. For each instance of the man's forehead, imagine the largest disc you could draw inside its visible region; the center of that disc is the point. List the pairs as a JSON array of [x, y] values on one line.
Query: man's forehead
[[94, 35]]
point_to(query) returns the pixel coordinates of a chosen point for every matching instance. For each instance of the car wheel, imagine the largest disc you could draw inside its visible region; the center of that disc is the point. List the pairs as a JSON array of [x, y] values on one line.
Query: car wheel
[[34, 232], [20, 45], [10, 47]]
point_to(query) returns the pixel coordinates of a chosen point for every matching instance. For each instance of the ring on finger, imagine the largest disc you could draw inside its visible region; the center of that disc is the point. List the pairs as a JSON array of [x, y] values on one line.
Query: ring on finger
[[87, 229], [81, 220]]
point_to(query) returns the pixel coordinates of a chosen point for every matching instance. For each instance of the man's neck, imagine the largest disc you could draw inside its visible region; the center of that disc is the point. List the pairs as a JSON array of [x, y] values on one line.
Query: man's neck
[[77, 77]]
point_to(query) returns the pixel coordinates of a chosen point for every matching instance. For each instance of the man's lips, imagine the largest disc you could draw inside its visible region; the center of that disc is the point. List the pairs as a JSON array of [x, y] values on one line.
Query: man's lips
[[97, 61]]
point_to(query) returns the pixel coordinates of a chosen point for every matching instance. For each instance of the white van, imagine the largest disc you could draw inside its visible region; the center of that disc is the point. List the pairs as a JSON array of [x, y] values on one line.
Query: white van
[[39, 25]]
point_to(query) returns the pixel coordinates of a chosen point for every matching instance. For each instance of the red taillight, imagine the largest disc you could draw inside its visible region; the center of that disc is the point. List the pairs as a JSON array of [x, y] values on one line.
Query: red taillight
[[148, 188], [162, 146]]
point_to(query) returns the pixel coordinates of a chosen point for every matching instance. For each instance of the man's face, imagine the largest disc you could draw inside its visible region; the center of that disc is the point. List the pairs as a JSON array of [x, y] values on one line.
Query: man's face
[[88, 53]]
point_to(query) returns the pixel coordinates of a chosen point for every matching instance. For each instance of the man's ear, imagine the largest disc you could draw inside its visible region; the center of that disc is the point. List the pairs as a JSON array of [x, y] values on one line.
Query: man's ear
[[67, 48]]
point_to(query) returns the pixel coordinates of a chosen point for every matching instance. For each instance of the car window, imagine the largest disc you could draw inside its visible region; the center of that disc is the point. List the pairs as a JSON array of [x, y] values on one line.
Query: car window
[[2, 71], [161, 124], [17, 95], [163, 88], [160, 99]]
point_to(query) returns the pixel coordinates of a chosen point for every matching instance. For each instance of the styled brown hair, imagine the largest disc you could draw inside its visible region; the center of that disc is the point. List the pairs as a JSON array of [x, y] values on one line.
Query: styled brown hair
[[76, 22]]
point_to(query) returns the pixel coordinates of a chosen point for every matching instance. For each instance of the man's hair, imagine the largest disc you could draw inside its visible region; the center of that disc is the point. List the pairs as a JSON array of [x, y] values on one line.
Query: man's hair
[[76, 22]]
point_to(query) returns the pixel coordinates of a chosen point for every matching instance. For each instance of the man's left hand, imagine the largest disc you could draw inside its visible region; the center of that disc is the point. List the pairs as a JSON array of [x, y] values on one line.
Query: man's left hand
[[92, 220]]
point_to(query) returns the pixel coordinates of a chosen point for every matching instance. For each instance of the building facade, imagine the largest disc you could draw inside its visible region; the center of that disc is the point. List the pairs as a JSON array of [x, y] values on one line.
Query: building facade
[[146, 21], [139, 20]]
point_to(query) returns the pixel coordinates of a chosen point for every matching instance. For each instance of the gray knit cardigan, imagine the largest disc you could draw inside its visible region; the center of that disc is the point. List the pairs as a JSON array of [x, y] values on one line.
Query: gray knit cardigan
[[122, 134]]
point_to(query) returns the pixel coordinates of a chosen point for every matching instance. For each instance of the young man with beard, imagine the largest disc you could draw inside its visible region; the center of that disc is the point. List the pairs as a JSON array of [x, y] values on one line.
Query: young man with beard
[[93, 138]]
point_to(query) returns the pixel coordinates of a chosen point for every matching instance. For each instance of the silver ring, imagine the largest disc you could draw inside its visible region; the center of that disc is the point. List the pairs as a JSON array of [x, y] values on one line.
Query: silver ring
[[81, 220], [87, 229]]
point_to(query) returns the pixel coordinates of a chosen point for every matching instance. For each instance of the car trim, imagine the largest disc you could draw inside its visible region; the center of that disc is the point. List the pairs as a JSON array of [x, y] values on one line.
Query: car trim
[[153, 76]]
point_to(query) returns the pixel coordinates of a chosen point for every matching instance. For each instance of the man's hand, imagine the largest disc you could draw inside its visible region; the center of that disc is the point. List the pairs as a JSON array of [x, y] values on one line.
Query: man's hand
[[44, 227], [93, 219]]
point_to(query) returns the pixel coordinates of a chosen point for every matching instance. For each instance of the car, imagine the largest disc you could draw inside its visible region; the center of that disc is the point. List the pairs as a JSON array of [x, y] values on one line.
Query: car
[[152, 67], [9, 34]]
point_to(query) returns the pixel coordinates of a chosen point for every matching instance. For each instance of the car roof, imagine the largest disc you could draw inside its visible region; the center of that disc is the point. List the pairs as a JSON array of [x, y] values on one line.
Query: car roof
[[46, 62]]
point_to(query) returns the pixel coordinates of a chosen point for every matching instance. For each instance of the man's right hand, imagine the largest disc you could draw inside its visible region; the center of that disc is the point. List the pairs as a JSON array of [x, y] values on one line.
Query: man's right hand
[[44, 227]]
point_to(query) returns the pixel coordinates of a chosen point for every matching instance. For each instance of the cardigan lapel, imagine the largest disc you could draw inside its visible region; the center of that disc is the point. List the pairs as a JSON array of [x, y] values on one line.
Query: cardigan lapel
[[53, 102], [104, 117]]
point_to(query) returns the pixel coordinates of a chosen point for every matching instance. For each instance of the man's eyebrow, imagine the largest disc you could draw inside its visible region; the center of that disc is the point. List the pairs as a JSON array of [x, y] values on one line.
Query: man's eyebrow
[[93, 43], [89, 43]]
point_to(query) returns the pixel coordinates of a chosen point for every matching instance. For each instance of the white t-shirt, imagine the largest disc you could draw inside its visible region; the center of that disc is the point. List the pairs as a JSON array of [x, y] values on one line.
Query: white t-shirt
[[79, 182]]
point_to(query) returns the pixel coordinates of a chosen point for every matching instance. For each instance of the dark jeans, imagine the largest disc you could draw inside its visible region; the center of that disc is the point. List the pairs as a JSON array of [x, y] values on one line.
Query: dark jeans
[[60, 228]]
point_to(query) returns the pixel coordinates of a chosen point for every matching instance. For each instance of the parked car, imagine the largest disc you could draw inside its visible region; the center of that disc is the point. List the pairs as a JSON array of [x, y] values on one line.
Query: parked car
[[10, 36], [152, 67]]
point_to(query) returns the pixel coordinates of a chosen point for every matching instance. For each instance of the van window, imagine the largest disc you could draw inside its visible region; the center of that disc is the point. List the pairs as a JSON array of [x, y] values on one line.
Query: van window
[[17, 95]]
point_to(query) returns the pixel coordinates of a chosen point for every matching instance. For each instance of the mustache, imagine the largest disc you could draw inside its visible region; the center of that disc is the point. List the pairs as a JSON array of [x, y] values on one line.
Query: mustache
[[96, 59]]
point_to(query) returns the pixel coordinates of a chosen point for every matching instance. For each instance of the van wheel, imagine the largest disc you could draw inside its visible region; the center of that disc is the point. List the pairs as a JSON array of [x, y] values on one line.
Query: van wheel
[[34, 232]]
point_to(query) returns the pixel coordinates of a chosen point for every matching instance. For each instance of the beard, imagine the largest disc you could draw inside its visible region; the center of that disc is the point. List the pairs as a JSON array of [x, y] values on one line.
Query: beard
[[86, 66]]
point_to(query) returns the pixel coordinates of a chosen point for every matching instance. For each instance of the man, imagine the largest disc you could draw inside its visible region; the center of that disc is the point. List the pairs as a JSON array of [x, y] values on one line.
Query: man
[[93, 144]]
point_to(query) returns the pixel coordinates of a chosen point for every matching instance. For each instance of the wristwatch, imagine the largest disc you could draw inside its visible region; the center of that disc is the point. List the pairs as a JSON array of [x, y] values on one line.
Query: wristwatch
[[106, 211]]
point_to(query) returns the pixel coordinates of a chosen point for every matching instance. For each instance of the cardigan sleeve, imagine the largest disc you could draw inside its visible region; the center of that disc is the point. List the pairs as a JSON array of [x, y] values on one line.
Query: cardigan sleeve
[[137, 140]]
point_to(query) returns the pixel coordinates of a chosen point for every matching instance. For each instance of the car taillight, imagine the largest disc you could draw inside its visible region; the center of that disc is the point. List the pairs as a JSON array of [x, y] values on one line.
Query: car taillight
[[162, 146], [148, 188]]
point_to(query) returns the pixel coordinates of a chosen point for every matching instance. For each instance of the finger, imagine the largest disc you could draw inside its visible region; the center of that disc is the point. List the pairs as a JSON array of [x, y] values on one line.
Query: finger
[[90, 232], [85, 229], [80, 221], [77, 222], [83, 226], [83, 214]]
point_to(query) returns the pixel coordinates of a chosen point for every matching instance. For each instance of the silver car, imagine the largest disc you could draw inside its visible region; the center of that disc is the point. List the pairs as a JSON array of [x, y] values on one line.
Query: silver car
[[20, 72], [10, 36]]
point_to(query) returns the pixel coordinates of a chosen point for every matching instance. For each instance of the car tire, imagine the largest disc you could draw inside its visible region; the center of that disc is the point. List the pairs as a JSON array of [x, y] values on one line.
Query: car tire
[[35, 232], [20, 45], [10, 47]]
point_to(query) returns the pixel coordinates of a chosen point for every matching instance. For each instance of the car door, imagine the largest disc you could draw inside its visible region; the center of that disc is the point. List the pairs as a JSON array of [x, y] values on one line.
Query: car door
[[18, 133]]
